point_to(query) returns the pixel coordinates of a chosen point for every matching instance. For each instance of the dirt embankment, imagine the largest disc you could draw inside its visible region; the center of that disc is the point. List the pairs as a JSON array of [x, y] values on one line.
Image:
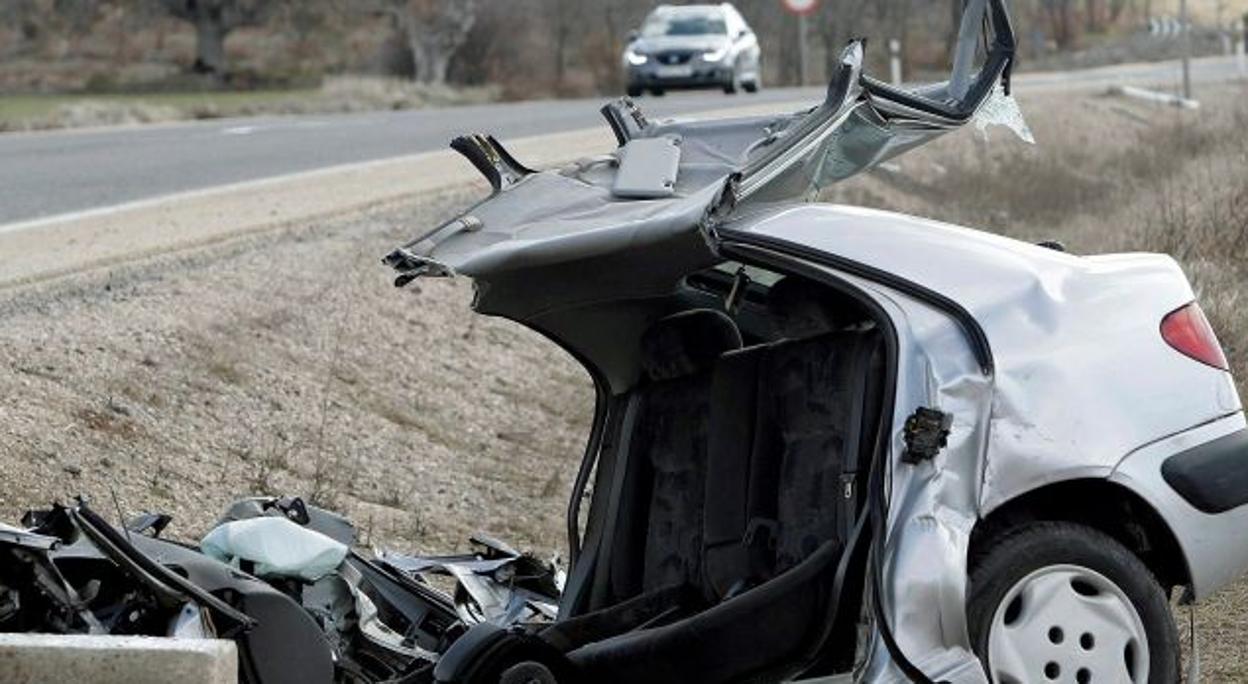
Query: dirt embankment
[[289, 363]]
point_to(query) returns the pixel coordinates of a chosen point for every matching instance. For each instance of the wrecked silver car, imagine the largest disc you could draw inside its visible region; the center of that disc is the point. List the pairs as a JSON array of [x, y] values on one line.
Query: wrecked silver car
[[829, 443], [833, 441]]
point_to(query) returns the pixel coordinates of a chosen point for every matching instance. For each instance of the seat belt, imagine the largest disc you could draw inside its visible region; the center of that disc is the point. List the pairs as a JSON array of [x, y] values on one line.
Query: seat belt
[[847, 494], [762, 527]]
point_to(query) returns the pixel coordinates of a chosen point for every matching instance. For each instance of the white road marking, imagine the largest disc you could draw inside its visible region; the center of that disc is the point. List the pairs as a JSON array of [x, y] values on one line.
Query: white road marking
[[328, 172], [151, 202]]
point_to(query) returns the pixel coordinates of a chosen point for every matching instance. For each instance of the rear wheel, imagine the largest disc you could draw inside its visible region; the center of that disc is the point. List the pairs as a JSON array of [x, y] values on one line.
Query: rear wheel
[[634, 91], [657, 92], [1064, 602]]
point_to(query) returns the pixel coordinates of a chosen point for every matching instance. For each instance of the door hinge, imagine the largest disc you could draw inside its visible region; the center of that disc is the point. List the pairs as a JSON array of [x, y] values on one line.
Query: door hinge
[[926, 433]]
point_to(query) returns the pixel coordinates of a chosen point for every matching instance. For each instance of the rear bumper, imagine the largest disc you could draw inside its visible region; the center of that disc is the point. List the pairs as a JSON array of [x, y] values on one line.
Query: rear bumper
[[1198, 481], [1212, 477]]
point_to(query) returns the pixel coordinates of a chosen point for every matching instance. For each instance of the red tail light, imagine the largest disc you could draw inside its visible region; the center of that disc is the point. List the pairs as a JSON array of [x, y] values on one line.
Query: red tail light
[[1188, 331]]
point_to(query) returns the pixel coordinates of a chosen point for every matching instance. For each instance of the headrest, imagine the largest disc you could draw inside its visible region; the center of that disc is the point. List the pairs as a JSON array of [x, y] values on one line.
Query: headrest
[[687, 342], [801, 308]]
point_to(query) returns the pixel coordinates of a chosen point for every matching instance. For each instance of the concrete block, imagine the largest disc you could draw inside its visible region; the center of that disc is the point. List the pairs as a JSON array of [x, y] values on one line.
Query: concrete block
[[48, 658]]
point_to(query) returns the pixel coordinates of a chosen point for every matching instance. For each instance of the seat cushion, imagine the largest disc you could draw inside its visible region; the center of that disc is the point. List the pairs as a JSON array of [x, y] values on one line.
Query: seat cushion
[[762, 634]]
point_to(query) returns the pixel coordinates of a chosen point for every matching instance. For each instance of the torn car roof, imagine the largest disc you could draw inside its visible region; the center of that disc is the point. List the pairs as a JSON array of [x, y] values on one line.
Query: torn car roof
[[546, 242], [539, 220]]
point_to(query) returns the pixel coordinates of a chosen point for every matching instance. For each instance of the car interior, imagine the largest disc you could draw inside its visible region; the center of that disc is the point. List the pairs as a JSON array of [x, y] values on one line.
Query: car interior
[[745, 445]]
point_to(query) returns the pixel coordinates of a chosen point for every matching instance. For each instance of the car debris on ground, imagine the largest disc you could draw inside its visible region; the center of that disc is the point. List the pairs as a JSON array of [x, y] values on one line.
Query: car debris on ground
[[287, 581]]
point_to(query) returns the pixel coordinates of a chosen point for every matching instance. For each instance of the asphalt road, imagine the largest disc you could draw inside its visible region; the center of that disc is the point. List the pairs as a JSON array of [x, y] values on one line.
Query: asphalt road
[[55, 173]]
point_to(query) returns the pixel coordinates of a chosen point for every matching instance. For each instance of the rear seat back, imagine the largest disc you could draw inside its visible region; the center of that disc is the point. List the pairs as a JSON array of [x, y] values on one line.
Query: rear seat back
[[812, 403], [787, 428], [786, 433], [672, 432]]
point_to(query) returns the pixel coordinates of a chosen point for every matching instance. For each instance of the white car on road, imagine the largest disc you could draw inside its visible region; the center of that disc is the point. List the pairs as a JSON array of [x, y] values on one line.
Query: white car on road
[[693, 46]]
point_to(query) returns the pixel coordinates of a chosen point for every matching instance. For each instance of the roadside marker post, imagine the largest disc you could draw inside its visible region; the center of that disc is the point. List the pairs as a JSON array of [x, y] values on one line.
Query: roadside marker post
[[1240, 60], [1184, 19], [801, 8], [801, 49], [894, 62]]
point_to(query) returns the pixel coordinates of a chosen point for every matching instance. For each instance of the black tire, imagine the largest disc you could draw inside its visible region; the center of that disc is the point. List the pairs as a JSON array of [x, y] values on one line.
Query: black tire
[[658, 92], [635, 91], [1016, 554], [730, 88], [750, 86]]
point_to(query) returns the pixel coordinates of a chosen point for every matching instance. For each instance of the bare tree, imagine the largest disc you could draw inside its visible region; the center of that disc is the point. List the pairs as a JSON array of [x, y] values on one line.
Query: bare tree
[[214, 20], [24, 17], [561, 18], [434, 29], [838, 22], [1094, 16], [308, 20], [606, 26], [39, 21], [77, 16], [1061, 20]]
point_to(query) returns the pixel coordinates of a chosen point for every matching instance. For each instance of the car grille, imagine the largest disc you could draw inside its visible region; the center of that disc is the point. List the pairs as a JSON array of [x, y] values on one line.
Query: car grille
[[674, 56]]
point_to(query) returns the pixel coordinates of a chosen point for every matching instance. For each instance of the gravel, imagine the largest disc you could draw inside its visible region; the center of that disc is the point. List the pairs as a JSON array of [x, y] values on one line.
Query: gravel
[[289, 364]]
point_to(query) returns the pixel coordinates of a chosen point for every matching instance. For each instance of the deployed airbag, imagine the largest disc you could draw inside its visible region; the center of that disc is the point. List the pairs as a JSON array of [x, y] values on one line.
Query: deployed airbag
[[276, 547]]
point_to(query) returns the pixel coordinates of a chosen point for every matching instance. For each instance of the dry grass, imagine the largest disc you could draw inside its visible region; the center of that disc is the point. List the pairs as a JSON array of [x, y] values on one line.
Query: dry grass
[[340, 94], [1112, 175]]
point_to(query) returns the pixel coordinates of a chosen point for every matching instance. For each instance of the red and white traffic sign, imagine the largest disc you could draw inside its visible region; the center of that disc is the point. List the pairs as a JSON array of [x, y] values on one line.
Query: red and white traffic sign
[[800, 6]]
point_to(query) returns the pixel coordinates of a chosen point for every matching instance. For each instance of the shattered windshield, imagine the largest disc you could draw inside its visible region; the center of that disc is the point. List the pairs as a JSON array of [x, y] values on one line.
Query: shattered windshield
[[685, 25]]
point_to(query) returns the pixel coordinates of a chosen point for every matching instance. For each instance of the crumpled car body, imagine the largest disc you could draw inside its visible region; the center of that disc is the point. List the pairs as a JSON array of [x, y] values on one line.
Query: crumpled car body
[[495, 583], [826, 436], [284, 580]]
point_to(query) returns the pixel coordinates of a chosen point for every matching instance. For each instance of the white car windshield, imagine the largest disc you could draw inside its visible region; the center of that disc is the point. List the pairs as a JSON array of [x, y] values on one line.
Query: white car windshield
[[685, 25]]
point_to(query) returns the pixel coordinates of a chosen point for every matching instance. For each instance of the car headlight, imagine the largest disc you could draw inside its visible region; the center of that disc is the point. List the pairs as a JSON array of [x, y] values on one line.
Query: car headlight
[[635, 58], [715, 55]]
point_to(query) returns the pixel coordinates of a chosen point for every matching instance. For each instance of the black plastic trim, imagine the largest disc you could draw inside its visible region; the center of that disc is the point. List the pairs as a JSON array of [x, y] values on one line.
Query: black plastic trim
[[618, 127], [1212, 477], [167, 584], [974, 333]]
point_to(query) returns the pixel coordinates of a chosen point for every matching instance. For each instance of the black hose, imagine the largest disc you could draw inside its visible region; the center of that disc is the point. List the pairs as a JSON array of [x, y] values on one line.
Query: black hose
[[878, 505]]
